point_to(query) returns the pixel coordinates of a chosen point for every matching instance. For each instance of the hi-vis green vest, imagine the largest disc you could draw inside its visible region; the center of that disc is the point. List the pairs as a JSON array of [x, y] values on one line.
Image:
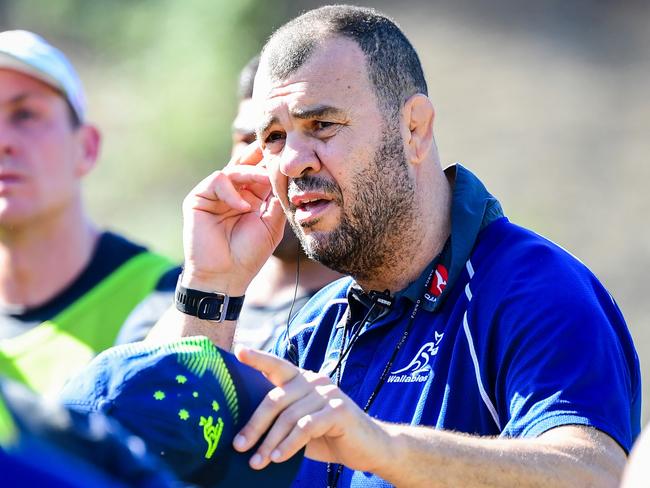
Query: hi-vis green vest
[[45, 357]]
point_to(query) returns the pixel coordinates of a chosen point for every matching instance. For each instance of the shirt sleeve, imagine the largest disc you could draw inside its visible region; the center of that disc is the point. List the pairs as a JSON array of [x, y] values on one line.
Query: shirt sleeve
[[567, 356]]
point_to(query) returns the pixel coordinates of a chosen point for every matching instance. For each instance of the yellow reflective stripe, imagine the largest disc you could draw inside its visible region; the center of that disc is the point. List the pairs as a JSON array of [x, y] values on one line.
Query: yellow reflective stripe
[[7, 426], [47, 355]]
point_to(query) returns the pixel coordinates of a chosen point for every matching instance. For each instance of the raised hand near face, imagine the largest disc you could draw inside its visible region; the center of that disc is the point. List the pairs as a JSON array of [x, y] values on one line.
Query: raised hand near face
[[232, 223]]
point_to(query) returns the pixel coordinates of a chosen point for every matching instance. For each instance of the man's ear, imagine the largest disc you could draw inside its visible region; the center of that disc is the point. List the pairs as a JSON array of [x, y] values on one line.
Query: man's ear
[[89, 144], [417, 127]]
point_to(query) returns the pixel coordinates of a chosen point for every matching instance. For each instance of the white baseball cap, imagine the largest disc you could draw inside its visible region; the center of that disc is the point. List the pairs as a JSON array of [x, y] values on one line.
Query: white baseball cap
[[32, 55]]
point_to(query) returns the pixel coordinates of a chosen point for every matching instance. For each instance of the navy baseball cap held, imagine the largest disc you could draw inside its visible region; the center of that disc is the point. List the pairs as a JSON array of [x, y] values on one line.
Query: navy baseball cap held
[[187, 400]]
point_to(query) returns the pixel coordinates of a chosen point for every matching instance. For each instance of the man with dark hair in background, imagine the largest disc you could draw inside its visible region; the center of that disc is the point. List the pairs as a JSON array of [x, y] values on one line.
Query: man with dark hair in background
[[463, 350], [288, 279], [66, 288]]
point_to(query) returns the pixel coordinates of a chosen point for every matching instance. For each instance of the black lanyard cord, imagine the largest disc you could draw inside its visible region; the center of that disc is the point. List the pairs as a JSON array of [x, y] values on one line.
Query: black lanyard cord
[[344, 351], [332, 481], [334, 476]]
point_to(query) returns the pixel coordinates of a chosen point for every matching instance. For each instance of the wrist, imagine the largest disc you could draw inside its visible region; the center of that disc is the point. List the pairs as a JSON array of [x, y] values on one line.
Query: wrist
[[387, 459], [217, 307], [211, 282]]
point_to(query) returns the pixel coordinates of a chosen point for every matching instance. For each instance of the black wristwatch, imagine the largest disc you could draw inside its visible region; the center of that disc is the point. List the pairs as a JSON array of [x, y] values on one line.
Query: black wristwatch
[[207, 306]]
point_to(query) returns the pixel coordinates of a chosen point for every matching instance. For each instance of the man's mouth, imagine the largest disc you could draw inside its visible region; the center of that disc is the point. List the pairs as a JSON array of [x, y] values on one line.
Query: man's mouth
[[8, 180], [309, 207]]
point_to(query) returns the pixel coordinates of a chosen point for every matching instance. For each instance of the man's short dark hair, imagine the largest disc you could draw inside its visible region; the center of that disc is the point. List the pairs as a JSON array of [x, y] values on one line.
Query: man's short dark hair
[[247, 77], [393, 65]]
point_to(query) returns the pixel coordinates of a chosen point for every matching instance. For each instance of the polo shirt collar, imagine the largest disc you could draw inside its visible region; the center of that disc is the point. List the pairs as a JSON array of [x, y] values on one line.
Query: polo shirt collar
[[473, 208]]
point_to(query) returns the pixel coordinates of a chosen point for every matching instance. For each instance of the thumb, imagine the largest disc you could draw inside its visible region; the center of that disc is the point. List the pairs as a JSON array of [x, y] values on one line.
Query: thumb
[[273, 218]]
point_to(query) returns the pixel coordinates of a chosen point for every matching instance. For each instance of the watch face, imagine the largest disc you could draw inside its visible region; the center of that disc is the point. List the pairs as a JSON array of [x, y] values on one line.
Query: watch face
[[211, 307]]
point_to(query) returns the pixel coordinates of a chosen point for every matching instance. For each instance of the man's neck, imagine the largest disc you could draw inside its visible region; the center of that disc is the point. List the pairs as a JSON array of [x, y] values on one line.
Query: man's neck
[[37, 261], [430, 230], [276, 281]]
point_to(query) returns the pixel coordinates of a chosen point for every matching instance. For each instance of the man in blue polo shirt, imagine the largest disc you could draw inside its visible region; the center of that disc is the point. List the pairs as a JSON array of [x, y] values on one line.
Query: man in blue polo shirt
[[463, 350]]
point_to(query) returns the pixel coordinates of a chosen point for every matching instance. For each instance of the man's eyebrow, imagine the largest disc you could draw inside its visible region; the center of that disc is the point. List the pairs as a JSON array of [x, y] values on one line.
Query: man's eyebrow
[[303, 114], [21, 97], [264, 127], [315, 112]]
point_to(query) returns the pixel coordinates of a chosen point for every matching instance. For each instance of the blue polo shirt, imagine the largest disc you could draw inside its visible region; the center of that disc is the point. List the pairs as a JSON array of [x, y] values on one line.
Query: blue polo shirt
[[512, 336]]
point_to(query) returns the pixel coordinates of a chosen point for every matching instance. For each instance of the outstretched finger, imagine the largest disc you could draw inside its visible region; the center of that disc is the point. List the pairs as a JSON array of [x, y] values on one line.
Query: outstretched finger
[[276, 369], [290, 432]]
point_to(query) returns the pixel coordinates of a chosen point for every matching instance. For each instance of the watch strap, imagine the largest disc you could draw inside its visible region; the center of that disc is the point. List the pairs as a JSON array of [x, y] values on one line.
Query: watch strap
[[207, 305]]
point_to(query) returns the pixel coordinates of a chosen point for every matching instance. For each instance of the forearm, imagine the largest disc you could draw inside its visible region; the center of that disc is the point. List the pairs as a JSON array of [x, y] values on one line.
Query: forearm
[[174, 325], [572, 456]]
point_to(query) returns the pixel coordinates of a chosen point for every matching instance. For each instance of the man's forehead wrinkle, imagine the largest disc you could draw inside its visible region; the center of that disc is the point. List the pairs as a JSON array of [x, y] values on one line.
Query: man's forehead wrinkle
[[287, 87]]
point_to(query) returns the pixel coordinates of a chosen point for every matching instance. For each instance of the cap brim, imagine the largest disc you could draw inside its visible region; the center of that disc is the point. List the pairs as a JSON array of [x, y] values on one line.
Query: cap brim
[[8, 61]]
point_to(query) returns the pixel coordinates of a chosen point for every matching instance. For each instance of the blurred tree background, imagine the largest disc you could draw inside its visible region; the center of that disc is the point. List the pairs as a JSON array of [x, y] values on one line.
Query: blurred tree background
[[547, 101]]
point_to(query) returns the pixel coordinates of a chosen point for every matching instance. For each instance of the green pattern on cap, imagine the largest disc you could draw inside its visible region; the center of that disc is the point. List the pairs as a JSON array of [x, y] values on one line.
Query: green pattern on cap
[[208, 359]]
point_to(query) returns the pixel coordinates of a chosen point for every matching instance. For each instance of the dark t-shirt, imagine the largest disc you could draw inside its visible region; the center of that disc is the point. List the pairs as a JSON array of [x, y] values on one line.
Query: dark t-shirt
[[110, 253]]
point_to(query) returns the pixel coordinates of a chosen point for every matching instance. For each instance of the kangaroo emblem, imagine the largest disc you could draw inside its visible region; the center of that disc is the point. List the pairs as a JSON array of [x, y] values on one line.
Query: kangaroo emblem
[[440, 283], [211, 433], [420, 362]]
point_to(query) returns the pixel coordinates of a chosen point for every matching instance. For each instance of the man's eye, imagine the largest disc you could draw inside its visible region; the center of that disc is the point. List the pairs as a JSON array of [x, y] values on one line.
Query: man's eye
[[22, 115], [322, 125], [274, 137]]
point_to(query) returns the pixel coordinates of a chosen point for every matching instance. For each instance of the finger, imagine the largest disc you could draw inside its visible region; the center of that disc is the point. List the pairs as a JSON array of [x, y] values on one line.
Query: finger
[[249, 156], [225, 190], [276, 369], [273, 404], [227, 185], [241, 175], [274, 219], [294, 428]]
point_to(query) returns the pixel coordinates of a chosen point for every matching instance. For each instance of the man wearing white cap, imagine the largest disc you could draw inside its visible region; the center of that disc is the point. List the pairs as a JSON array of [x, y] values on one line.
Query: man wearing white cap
[[66, 288]]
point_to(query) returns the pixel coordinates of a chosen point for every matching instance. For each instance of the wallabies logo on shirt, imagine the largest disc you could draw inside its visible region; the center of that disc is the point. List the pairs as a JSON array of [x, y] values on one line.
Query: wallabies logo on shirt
[[418, 370]]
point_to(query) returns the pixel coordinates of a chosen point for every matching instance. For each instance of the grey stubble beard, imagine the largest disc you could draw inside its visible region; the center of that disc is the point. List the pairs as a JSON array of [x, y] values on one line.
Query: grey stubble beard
[[367, 242]]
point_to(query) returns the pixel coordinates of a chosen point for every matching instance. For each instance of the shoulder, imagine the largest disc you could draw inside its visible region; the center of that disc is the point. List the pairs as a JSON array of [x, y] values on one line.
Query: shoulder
[[110, 242], [311, 327], [331, 300], [520, 259], [526, 289]]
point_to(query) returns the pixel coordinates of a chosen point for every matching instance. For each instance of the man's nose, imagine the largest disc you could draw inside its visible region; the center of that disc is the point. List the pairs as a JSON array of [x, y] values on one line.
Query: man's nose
[[298, 157], [7, 141]]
